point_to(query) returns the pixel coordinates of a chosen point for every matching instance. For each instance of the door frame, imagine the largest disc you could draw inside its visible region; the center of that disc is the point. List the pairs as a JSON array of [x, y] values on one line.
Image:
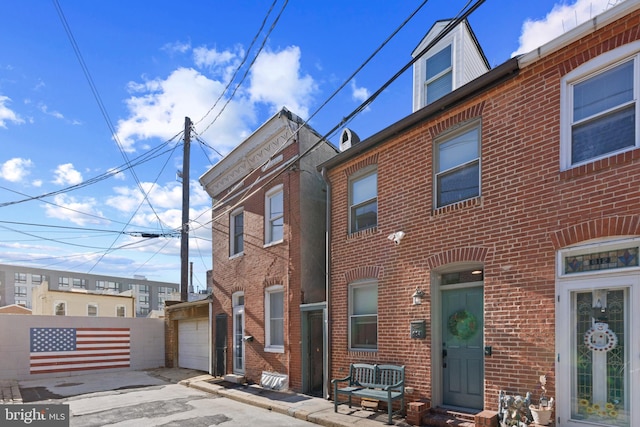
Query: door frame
[[437, 378], [566, 285], [305, 309], [238, 309]]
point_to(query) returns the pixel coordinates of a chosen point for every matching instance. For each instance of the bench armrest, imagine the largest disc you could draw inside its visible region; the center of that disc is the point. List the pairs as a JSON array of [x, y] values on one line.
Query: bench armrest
[[393, 386], [339, 380]]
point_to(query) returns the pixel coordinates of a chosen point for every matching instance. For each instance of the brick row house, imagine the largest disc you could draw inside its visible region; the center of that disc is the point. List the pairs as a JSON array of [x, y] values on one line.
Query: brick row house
[[511, 206], [268, 278], [490, 237]]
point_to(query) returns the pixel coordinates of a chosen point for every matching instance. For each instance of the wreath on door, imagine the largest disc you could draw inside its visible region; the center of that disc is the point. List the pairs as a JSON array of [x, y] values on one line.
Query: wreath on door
[[462, 324], [600, 338]]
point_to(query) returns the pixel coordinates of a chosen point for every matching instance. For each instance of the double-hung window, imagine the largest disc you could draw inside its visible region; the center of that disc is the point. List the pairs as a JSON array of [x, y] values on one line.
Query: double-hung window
[[274, 318], [457, 168], [236, 232], [121, 311], [92, 310], [600, 112], [60, 308], [274, 215], [363, 316], [439, 77], [363, 200]]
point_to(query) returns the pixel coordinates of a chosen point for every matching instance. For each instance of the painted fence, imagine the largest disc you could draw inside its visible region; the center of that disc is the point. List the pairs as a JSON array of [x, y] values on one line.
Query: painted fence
[[57, 346]]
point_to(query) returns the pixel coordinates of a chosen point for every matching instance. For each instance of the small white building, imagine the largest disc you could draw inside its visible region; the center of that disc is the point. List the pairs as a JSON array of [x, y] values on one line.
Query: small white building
[[81, 302]]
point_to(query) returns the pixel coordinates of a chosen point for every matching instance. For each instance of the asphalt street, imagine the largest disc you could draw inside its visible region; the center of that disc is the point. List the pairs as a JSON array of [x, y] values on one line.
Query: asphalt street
[[143, 400]]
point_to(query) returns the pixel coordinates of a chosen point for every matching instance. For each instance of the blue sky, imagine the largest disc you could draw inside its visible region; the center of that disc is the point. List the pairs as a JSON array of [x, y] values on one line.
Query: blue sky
[[70, 128]]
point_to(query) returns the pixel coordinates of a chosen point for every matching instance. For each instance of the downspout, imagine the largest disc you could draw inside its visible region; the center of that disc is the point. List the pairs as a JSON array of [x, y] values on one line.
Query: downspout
[[327, 286]]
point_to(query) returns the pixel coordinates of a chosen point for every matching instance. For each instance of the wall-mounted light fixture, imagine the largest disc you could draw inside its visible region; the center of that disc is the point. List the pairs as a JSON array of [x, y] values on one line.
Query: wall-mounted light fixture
[[417, 296], [396, 237]]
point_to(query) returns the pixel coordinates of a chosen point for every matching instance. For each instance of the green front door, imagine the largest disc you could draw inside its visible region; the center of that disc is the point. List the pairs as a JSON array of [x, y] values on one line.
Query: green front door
[[462, 347]]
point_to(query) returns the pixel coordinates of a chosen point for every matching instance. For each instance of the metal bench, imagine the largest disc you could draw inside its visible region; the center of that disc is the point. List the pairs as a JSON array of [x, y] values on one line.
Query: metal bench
[[380, 382]]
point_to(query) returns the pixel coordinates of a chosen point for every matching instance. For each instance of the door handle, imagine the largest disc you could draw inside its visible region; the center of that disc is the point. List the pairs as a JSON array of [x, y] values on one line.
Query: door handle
[[444, 357]]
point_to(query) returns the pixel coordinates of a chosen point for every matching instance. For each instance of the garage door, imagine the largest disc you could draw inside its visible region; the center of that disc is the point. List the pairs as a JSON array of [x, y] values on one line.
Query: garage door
[[193, 344]]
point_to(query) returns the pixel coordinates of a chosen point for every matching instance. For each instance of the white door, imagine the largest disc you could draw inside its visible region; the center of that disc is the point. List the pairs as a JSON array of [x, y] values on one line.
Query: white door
[[597, 330], [238, 341], [193, 344]]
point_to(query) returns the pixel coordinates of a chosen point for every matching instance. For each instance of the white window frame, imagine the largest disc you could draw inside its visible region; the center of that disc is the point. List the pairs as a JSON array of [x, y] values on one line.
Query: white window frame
[[598, 65], [92, 305], [475, 125], [269, 219], [124, 310], [55, 303], [269, 347], [360, 285], [357, 177], [448, 70], [233, 251]]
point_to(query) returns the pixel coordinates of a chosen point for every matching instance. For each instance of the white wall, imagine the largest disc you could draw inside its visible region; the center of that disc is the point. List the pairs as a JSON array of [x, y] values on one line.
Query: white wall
[[147, 341]]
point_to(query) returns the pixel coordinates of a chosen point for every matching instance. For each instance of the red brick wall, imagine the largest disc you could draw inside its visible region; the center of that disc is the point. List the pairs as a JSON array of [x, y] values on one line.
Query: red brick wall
[[528, 209], [258, 268]]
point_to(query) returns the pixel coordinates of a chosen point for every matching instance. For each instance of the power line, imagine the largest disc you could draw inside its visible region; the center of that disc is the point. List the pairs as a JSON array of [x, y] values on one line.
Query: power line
[[244, 59], [246, 73], [460, 17]]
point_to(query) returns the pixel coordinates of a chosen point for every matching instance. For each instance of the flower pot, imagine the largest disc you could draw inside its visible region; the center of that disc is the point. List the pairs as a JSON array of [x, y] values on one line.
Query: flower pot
[[541, 416]]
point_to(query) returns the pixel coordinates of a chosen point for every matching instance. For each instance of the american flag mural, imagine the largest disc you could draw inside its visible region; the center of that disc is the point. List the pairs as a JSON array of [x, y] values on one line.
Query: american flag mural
[[78, 349]]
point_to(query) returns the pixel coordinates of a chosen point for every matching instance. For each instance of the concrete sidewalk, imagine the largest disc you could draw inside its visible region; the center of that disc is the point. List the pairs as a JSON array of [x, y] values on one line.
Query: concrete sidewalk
[[312, 409]]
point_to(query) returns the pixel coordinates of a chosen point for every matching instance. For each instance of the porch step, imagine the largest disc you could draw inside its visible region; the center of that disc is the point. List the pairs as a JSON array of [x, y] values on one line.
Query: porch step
[[233, 378], [442, 417]]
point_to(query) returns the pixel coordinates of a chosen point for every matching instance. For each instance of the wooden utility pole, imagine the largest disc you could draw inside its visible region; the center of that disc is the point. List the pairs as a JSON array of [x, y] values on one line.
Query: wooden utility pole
[[184, 234]]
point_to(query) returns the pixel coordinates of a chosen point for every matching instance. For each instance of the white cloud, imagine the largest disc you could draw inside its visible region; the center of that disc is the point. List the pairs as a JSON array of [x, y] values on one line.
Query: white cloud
[[359, 94], [276, 80], [168, 197], [16, 169], [45, 109], [561, 19], [178, 47], [158, 108], [80, 212], [7, 114], [116, 174], [67, 175]]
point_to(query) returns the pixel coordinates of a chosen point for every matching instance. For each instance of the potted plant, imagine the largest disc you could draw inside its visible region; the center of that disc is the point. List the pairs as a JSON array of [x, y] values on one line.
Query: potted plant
[[541, 412]]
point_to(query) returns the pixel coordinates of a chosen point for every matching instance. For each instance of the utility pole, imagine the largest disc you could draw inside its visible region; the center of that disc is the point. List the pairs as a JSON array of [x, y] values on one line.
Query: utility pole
[[184, 234]]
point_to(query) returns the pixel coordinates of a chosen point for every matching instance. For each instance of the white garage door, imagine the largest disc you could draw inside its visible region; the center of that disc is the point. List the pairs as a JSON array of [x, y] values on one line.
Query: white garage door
[[193, 344]]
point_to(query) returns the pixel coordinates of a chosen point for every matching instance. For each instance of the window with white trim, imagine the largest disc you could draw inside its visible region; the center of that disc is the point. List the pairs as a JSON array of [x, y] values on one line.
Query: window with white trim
[[92, 310], [457, 165], [363, 316], [439, 77], [274, 215], [121, 311], [236, 232], [363, 200], [274, 318], [60, 308], [599, 107]]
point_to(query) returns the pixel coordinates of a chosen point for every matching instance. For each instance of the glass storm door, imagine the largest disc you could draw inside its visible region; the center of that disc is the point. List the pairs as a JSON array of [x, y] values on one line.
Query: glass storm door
[[462, 351], [238, 341]]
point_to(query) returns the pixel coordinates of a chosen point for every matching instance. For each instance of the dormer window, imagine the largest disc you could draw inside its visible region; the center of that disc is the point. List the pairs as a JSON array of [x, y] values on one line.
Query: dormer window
[[439, 76]]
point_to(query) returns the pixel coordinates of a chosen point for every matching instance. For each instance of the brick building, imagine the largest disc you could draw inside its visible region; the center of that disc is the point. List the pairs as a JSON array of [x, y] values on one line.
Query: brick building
[[518, 199], [269, 217]]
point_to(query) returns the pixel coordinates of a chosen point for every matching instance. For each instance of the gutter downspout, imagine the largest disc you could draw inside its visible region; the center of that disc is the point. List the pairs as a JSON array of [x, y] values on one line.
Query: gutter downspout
[[327, 275]]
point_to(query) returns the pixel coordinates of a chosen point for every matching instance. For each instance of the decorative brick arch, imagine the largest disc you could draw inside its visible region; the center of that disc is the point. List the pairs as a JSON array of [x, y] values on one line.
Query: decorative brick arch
[[272, 281], [625, 225], [471, 254], [360, 273]]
